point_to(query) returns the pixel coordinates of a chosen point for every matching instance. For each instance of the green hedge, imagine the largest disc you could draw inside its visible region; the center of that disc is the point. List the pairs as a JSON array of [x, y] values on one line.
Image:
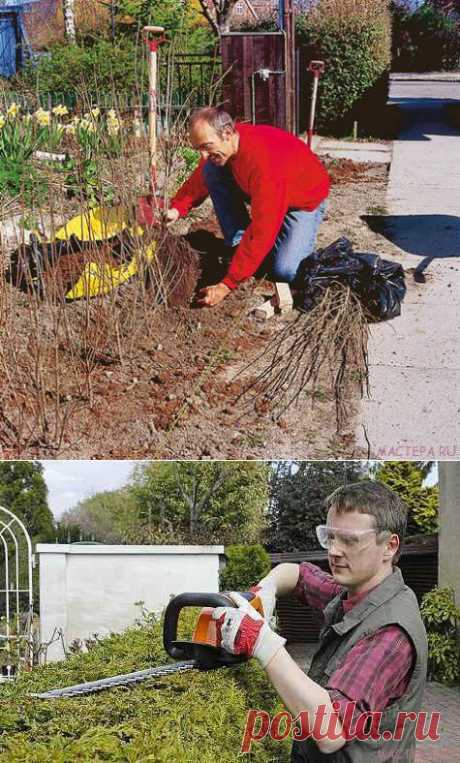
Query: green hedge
[[354, 40], [90, 69], [180, 719], [245, 566], [441, 616]]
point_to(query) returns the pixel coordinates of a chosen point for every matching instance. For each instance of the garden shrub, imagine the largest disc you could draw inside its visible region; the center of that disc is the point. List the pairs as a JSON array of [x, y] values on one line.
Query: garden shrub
[[188, 717], [440, 615], [424, 40], [245, 566], [102, 67], [353, 37]]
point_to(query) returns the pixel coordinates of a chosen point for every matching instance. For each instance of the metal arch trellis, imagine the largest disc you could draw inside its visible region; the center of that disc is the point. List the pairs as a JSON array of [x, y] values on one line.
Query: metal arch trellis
[[16, 637]]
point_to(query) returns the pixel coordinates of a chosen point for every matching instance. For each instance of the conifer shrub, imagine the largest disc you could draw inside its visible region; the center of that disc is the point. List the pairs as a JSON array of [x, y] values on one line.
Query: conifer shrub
[[245, 566], [197, 716]]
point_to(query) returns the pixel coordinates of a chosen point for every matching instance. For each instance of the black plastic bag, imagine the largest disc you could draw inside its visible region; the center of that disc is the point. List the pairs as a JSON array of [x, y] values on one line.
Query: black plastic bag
[[379, 284]]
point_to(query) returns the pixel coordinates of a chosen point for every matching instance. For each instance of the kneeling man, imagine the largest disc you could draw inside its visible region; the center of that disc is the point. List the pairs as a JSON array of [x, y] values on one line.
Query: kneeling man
[[277, 173]]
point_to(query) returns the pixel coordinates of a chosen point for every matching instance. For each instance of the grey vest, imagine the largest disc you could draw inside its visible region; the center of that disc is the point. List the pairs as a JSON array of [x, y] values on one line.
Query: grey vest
[[391, 602]]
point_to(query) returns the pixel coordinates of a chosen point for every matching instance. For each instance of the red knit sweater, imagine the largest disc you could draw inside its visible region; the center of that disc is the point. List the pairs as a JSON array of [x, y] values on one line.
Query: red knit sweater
[[277, 171]]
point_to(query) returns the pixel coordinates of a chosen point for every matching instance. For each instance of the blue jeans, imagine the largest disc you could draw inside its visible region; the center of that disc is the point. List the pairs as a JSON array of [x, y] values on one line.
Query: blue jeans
[[296, 237]]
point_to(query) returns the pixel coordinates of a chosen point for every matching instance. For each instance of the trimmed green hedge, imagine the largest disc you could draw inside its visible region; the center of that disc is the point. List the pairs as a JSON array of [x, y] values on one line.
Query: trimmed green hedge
[[245, 566], [184, 718], [355, 43]]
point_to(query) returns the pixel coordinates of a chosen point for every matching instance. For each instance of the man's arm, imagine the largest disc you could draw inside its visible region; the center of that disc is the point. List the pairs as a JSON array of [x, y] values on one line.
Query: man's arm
[[308, 582], [283, 577], [192, 193], [244, 631], [300, 694], [268, 193]]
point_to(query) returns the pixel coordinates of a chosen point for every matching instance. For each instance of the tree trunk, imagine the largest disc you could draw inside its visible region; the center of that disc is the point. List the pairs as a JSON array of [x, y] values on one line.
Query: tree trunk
[[68, 9]]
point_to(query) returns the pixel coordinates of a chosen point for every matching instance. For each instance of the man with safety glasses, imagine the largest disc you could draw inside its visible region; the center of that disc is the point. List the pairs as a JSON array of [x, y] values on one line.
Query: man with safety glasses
[[373, 646]]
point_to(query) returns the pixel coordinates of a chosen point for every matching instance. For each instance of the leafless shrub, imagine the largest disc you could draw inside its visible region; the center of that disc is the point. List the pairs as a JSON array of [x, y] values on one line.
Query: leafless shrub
[[328, 342]]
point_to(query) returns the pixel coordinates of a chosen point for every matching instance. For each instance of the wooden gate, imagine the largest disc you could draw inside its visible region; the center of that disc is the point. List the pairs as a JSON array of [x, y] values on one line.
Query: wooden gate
[[255, 79]]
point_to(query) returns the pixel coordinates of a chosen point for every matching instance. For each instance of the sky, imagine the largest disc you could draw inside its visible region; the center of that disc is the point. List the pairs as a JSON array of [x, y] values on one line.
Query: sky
[[70, 481]]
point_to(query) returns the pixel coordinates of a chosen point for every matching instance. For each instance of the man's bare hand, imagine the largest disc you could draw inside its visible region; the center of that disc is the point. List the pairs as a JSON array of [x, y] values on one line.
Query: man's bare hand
[[171, 215], [212, 295]]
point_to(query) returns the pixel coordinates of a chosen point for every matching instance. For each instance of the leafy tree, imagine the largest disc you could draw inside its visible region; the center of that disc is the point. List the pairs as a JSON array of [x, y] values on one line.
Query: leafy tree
[[298, 491], [406, 479], [108, 517], [180, 18], [23, 491], [188, 501]]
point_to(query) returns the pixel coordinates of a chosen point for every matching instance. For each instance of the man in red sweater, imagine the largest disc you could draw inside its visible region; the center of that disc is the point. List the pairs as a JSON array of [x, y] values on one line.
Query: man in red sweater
[[284, 182]]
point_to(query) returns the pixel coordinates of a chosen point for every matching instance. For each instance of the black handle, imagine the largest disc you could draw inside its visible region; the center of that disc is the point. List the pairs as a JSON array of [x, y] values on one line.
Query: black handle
[[174, 609]]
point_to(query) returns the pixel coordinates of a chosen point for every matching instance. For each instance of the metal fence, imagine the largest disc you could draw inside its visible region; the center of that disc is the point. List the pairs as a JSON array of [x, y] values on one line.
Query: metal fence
[[186, 81]]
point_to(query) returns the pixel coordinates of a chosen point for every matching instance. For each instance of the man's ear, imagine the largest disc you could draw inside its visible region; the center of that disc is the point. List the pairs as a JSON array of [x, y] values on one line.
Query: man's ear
[[391, 547]]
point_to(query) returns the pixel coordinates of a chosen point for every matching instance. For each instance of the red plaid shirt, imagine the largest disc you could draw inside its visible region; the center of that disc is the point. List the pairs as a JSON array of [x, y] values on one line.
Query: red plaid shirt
[[377, 669]]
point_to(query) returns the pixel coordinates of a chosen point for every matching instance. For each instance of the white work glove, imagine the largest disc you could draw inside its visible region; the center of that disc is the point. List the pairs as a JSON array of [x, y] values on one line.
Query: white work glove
[[244, 631], [266, 591]]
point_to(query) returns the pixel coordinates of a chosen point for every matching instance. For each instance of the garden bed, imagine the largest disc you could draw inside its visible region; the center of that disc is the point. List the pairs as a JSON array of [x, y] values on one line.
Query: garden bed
[[125, 376]]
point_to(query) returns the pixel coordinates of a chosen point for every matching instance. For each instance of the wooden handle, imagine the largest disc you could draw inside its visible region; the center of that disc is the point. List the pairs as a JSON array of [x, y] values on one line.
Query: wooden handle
[[154, 29]]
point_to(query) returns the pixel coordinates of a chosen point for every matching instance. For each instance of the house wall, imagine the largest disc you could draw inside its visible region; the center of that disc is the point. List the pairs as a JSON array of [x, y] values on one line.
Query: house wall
[[263, 8], [87, 589]]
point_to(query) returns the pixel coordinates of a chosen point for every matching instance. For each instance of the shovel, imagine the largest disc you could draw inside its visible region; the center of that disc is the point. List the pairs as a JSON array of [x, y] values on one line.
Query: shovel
[[101, 223], [148, 208], [317, 68]]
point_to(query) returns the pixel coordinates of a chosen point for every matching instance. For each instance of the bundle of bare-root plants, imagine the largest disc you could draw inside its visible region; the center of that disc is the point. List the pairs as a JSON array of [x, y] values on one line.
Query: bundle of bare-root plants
[[325, 346]]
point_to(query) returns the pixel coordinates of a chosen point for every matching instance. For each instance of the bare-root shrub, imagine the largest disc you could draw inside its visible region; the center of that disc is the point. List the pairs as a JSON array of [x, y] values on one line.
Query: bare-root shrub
[[329, 342]]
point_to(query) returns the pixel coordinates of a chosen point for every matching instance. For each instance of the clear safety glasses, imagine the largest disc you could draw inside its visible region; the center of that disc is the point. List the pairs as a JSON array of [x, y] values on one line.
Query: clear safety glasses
[[345, 539]]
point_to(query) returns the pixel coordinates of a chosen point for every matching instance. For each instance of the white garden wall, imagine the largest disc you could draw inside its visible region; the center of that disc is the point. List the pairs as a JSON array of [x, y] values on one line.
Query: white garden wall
[[87, 589]]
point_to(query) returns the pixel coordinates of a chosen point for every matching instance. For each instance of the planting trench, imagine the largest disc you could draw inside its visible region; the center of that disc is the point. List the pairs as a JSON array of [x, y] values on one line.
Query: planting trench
[[124, 376]]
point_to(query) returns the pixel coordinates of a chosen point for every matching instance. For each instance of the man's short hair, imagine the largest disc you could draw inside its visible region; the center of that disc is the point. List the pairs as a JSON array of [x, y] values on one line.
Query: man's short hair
[[219, 119], [374, 498]]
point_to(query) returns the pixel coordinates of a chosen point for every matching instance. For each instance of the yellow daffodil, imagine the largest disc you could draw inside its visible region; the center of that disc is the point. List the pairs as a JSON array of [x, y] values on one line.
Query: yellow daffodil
[[60, 110], [13, 110], [111, 114], [95, 112], [113, 128], [2, 121], [27, 118], [43, 117], [70, 129]]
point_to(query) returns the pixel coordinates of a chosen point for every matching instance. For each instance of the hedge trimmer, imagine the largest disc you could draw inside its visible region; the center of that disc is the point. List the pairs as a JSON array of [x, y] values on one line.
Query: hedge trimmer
[[203, 652]]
